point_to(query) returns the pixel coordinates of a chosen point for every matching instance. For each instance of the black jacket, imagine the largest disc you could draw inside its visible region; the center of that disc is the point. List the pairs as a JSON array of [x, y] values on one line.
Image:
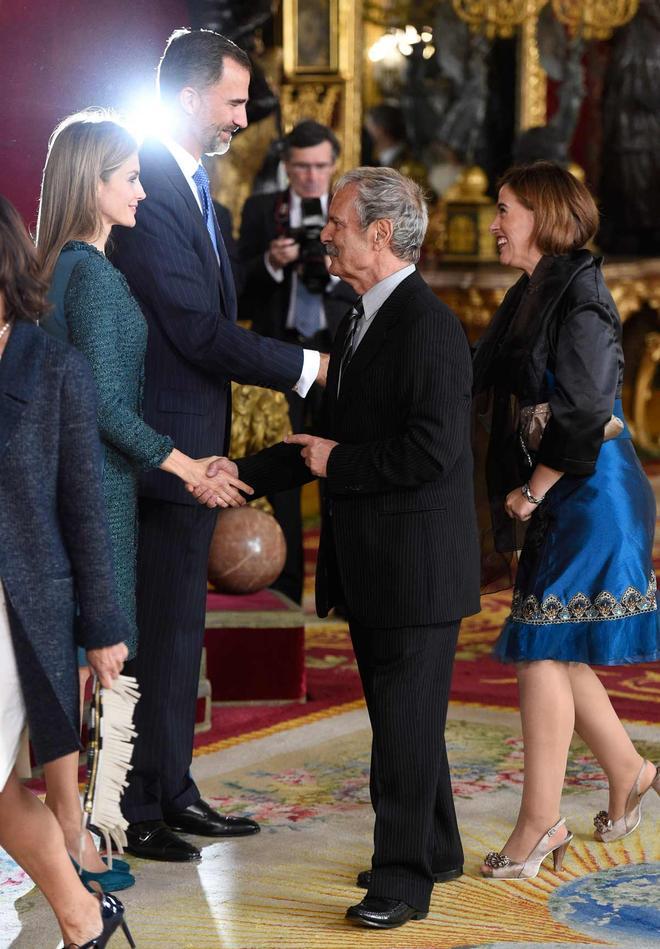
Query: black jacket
[[195, 347], [574, 333], [399, 539]]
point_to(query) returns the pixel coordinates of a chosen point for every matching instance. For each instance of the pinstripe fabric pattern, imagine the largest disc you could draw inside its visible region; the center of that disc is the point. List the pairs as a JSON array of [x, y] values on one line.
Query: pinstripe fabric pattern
[[406, 675], [195, 346], [400, 481], [399, 550], [171, 594], [194, 349]]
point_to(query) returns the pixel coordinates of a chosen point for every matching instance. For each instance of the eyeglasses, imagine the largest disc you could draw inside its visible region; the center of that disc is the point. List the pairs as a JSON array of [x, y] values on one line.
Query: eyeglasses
[[309, 166]]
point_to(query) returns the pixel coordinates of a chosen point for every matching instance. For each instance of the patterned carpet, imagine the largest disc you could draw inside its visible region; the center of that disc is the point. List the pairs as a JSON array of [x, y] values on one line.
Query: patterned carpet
[[305, 778]]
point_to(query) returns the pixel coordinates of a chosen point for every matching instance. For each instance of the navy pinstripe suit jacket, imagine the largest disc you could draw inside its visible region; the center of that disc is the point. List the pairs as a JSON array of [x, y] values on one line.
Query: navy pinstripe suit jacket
[[399, 531], [195, 347]]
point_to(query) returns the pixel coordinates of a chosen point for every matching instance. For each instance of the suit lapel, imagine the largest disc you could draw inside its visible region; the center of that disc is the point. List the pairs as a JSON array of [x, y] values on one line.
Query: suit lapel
[[19, 370], [178, 181], [376, 334]]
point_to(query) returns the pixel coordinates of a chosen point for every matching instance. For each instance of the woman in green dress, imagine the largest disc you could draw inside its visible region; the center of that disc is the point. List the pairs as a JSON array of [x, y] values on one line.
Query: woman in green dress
[[91, 183]]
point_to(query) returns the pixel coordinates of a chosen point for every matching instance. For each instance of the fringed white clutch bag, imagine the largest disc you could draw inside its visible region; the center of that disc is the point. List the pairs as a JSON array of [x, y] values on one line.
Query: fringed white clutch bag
[[110, 749]]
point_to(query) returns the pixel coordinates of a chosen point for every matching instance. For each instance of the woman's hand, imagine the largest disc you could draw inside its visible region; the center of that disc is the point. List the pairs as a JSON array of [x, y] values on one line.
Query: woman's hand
[[517, 505], [218, 484], [108, 662], [221, 489]]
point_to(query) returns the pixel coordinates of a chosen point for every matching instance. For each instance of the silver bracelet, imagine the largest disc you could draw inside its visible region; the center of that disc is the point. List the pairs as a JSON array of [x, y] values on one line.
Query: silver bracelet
[[529, 496]]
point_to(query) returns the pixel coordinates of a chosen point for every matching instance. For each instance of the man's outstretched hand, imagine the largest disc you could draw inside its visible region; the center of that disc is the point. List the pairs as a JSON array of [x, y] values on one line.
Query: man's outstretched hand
[[315, 451]]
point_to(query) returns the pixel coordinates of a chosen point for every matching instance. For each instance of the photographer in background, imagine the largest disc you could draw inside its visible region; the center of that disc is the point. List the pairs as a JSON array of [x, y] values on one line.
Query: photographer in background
[[289, 293]]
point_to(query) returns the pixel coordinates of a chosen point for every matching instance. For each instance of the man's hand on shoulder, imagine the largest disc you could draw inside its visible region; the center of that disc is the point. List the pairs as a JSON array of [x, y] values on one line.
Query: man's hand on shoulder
[[315, 452]]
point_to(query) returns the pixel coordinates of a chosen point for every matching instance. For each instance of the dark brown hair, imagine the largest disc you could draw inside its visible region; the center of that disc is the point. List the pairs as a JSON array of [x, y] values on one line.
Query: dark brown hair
[[196, 58], [21, 287], [565, 214]]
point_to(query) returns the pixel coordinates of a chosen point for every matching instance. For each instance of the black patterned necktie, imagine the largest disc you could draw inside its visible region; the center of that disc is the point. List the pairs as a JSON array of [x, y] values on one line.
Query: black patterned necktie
[[347, 353]]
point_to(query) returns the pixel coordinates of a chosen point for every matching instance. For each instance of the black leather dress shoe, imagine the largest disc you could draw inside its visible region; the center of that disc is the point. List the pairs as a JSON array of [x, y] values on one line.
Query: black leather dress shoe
[[152, 840], [379, 913], [443, 876], [199, 818]]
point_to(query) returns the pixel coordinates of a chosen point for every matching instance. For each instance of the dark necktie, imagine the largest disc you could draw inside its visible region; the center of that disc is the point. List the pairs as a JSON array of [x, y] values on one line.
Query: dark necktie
[[354, 320]]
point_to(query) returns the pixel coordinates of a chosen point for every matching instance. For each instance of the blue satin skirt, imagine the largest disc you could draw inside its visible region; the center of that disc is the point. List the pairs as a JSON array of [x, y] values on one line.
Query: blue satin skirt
[[585, 589]]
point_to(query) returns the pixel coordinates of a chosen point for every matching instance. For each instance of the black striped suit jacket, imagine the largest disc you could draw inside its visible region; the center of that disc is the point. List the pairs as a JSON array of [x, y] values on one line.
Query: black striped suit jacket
[[195, 347], [399, 532]]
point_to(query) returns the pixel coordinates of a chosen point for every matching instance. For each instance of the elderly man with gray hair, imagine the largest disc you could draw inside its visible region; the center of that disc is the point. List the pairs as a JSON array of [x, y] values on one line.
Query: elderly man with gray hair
[[398, 548]]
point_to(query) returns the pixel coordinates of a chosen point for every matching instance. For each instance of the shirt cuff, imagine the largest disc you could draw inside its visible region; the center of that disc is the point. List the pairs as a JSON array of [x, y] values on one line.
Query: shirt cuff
[[310, 370], [276, 274]]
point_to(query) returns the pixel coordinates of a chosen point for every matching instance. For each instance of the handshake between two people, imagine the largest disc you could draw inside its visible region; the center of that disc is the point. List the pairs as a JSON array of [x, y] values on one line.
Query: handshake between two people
[[314, 451]]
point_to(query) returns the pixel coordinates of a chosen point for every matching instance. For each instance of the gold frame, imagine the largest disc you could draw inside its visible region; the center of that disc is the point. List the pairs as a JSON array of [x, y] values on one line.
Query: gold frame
[[333, 96], [292, 68]]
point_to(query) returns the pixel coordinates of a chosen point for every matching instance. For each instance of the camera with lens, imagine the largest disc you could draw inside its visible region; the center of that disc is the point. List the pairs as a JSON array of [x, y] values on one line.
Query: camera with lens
[[311, 267]]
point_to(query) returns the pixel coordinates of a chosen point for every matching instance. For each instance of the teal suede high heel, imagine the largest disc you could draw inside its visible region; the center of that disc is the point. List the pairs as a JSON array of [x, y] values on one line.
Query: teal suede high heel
[[109, 881], [118, 864]]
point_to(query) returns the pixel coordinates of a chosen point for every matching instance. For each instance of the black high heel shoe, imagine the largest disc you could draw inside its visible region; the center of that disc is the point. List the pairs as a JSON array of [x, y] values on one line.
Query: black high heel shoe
[[112, 917]]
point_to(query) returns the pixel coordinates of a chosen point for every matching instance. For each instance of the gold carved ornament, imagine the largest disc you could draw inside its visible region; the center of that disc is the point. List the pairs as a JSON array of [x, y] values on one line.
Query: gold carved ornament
[[496, 17], [260, 418], [594, 19]]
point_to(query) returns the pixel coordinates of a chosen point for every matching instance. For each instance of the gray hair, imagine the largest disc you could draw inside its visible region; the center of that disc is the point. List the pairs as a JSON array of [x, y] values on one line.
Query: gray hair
[[384, 193]]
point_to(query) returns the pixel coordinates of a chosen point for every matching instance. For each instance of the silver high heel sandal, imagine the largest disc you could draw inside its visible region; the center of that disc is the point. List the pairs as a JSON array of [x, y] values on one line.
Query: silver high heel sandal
[[501, 867], [607, 829]]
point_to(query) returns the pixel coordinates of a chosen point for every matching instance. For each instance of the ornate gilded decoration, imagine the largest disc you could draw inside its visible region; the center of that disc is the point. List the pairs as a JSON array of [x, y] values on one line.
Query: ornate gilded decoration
[[395, 12], [496, 17], [532, 81], [330, 91], [643, 393], [581, 609], [260, 418], [468, 215], [594, 19], [306, 100]]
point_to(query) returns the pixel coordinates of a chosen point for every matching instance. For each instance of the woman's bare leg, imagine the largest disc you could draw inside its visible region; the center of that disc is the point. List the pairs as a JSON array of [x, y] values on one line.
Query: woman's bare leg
[[32, 836], [601, 729], [63, 799], [546, 710]]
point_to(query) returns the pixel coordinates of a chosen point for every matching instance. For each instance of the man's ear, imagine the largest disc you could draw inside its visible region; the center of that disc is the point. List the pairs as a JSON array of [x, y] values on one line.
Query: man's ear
[[189, 100], [383, 233]]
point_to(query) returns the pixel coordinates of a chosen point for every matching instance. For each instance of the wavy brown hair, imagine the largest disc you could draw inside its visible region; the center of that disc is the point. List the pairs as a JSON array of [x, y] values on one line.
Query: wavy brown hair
[[22, 288], [565, 214]]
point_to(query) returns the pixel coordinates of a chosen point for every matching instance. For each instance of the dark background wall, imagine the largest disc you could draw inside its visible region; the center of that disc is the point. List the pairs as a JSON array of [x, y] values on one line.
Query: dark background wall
[[58, 56]]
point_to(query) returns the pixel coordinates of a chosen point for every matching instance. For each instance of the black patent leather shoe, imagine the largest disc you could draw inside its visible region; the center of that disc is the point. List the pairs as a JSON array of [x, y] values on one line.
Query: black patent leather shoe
[[443, 876], [112, 917], [200, 818], [153, 840], [380, 913]]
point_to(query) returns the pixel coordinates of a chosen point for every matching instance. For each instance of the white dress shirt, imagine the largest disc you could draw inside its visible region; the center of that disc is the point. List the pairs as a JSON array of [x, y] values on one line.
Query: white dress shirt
[[189, 165]]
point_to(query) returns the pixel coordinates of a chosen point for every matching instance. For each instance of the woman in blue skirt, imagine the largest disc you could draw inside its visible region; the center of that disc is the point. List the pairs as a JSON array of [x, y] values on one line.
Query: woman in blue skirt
[[562, 465]]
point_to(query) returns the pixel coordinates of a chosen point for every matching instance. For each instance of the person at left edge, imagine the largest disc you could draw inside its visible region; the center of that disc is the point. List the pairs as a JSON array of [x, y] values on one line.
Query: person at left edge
[[176, 264], [94, 310]]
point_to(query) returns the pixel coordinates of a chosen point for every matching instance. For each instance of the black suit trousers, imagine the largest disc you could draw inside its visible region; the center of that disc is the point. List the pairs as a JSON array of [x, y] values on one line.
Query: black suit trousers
[[172, 562], [406, 676]]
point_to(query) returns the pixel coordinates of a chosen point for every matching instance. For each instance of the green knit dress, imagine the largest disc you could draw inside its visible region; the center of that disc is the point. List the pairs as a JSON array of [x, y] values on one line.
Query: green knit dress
[[106, 324]]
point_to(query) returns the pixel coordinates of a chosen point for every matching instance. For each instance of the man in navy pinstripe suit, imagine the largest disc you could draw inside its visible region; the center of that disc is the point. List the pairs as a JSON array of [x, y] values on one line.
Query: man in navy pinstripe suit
[[177, 266], [398, 548]]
